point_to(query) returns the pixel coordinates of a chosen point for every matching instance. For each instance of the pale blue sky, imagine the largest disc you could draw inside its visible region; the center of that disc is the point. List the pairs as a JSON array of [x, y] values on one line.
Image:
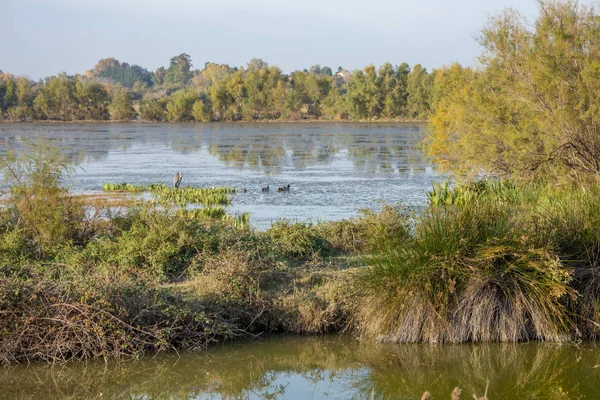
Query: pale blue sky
[[44, 37]]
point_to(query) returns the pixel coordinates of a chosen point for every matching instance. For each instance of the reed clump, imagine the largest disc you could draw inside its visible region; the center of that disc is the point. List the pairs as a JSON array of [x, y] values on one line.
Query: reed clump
[[218, 196], [488, 262]]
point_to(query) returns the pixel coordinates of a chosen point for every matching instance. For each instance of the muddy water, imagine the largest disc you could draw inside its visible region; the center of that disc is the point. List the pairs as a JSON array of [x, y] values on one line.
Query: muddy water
[[325, 367]]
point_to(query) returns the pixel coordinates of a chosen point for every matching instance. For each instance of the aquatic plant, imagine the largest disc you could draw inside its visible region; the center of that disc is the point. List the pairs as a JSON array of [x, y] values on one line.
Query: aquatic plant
[[191, 195], [464, 192], [180, 196]]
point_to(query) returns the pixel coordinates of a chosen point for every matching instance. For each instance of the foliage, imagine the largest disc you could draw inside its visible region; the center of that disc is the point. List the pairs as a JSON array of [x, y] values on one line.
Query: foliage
[[122, 73], [179, 196], [489, 261], [39, 213], [219, 93], [180, 106], [531, 109], [121, 107], [484, 261], [179, 69], [297, 239], [153, 110]]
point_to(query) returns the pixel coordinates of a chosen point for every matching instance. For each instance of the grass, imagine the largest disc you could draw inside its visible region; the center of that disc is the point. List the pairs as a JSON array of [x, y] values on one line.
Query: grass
[[495, 263], [484, 261], [180, 196]]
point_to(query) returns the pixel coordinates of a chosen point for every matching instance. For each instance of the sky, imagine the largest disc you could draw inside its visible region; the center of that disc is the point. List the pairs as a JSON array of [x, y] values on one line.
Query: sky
[[40, 38]]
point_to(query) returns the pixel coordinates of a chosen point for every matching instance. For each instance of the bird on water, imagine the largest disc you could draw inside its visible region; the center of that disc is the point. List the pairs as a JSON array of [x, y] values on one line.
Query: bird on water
[[265, 189], [177, 179], [284, 189]]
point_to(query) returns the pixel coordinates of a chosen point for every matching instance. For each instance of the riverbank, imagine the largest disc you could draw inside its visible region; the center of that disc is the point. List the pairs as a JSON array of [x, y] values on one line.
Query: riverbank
[[482, 262], [286, 121]]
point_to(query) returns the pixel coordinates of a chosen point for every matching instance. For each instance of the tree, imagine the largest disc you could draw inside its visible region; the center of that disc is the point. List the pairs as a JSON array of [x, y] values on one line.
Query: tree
[[419, 84], [93, 101], [179, 69], [315, 69], [256, 64], [202, 110], [153, 110], [121, 73], [158, 77], [180, 106], [10, 94], [326, 71], [533, 108], [121, 108], [57, 100]]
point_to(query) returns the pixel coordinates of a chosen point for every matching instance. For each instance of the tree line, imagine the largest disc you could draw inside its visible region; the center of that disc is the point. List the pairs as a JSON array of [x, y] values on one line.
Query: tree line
[[113, 90]]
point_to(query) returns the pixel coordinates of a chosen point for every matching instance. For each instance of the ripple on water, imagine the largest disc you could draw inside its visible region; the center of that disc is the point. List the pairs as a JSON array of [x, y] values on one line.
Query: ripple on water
[[333, 169]]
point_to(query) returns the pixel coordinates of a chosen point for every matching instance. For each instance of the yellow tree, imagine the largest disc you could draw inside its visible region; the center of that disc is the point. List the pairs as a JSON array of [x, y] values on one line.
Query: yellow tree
[[533, 107]]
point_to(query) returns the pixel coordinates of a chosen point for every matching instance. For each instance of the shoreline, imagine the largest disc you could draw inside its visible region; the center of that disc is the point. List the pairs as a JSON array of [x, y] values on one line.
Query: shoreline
[[269, 121]]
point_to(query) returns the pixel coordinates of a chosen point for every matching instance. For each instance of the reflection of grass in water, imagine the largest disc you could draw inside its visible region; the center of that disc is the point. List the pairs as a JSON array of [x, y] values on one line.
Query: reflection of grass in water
[[513, 370], [394, 371]]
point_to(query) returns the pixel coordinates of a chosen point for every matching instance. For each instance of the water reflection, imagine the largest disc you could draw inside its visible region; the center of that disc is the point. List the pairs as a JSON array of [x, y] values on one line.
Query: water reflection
[[372, 148], [325, 367], [333, 169]]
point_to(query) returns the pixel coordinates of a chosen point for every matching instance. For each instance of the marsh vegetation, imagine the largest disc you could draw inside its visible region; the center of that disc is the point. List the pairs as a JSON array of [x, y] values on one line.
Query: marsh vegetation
[[485, 261], [508, 251]]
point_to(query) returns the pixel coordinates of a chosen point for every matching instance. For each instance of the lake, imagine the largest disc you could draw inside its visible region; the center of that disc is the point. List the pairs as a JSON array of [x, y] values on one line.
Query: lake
[[334, 169], [323, 367]]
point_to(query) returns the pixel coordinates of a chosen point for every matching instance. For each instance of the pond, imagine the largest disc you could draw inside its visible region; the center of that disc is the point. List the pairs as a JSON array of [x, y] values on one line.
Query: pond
[[333, 169], [323, 367]]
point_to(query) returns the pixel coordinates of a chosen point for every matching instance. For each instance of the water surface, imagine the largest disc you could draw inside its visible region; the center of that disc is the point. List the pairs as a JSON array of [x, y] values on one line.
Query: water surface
[[333, 169], [324, 367]]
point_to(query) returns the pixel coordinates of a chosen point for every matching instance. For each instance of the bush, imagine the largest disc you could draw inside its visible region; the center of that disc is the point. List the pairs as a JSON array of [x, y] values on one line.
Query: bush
[[38, 207], [368, 231], [100, 315], [297, 240]]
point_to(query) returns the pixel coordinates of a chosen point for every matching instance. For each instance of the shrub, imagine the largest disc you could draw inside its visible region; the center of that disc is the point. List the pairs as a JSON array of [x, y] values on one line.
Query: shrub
[[38, 206], [297, 239], [100, 315]]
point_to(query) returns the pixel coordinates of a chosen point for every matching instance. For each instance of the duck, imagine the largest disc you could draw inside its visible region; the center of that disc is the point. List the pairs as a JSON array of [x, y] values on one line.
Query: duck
[[284, 189], [244, 190], [265, 189]]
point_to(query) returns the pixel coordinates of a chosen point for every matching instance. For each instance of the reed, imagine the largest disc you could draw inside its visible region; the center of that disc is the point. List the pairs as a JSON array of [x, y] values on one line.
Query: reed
[[473, 269]]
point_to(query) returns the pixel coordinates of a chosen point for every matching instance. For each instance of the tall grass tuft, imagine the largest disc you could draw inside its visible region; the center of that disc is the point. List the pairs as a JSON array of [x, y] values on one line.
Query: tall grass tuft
[[473, 270]]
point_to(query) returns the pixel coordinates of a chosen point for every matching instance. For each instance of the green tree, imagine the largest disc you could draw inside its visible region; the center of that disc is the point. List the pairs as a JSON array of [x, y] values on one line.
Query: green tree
[[122, 73], [9, 91], [180, 106], [57, 100], [158, 77], [202, 110], [419, 86], [256, 64], [315, 69], [121, 107], [153, 110], [179, 70], [93, 101]]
